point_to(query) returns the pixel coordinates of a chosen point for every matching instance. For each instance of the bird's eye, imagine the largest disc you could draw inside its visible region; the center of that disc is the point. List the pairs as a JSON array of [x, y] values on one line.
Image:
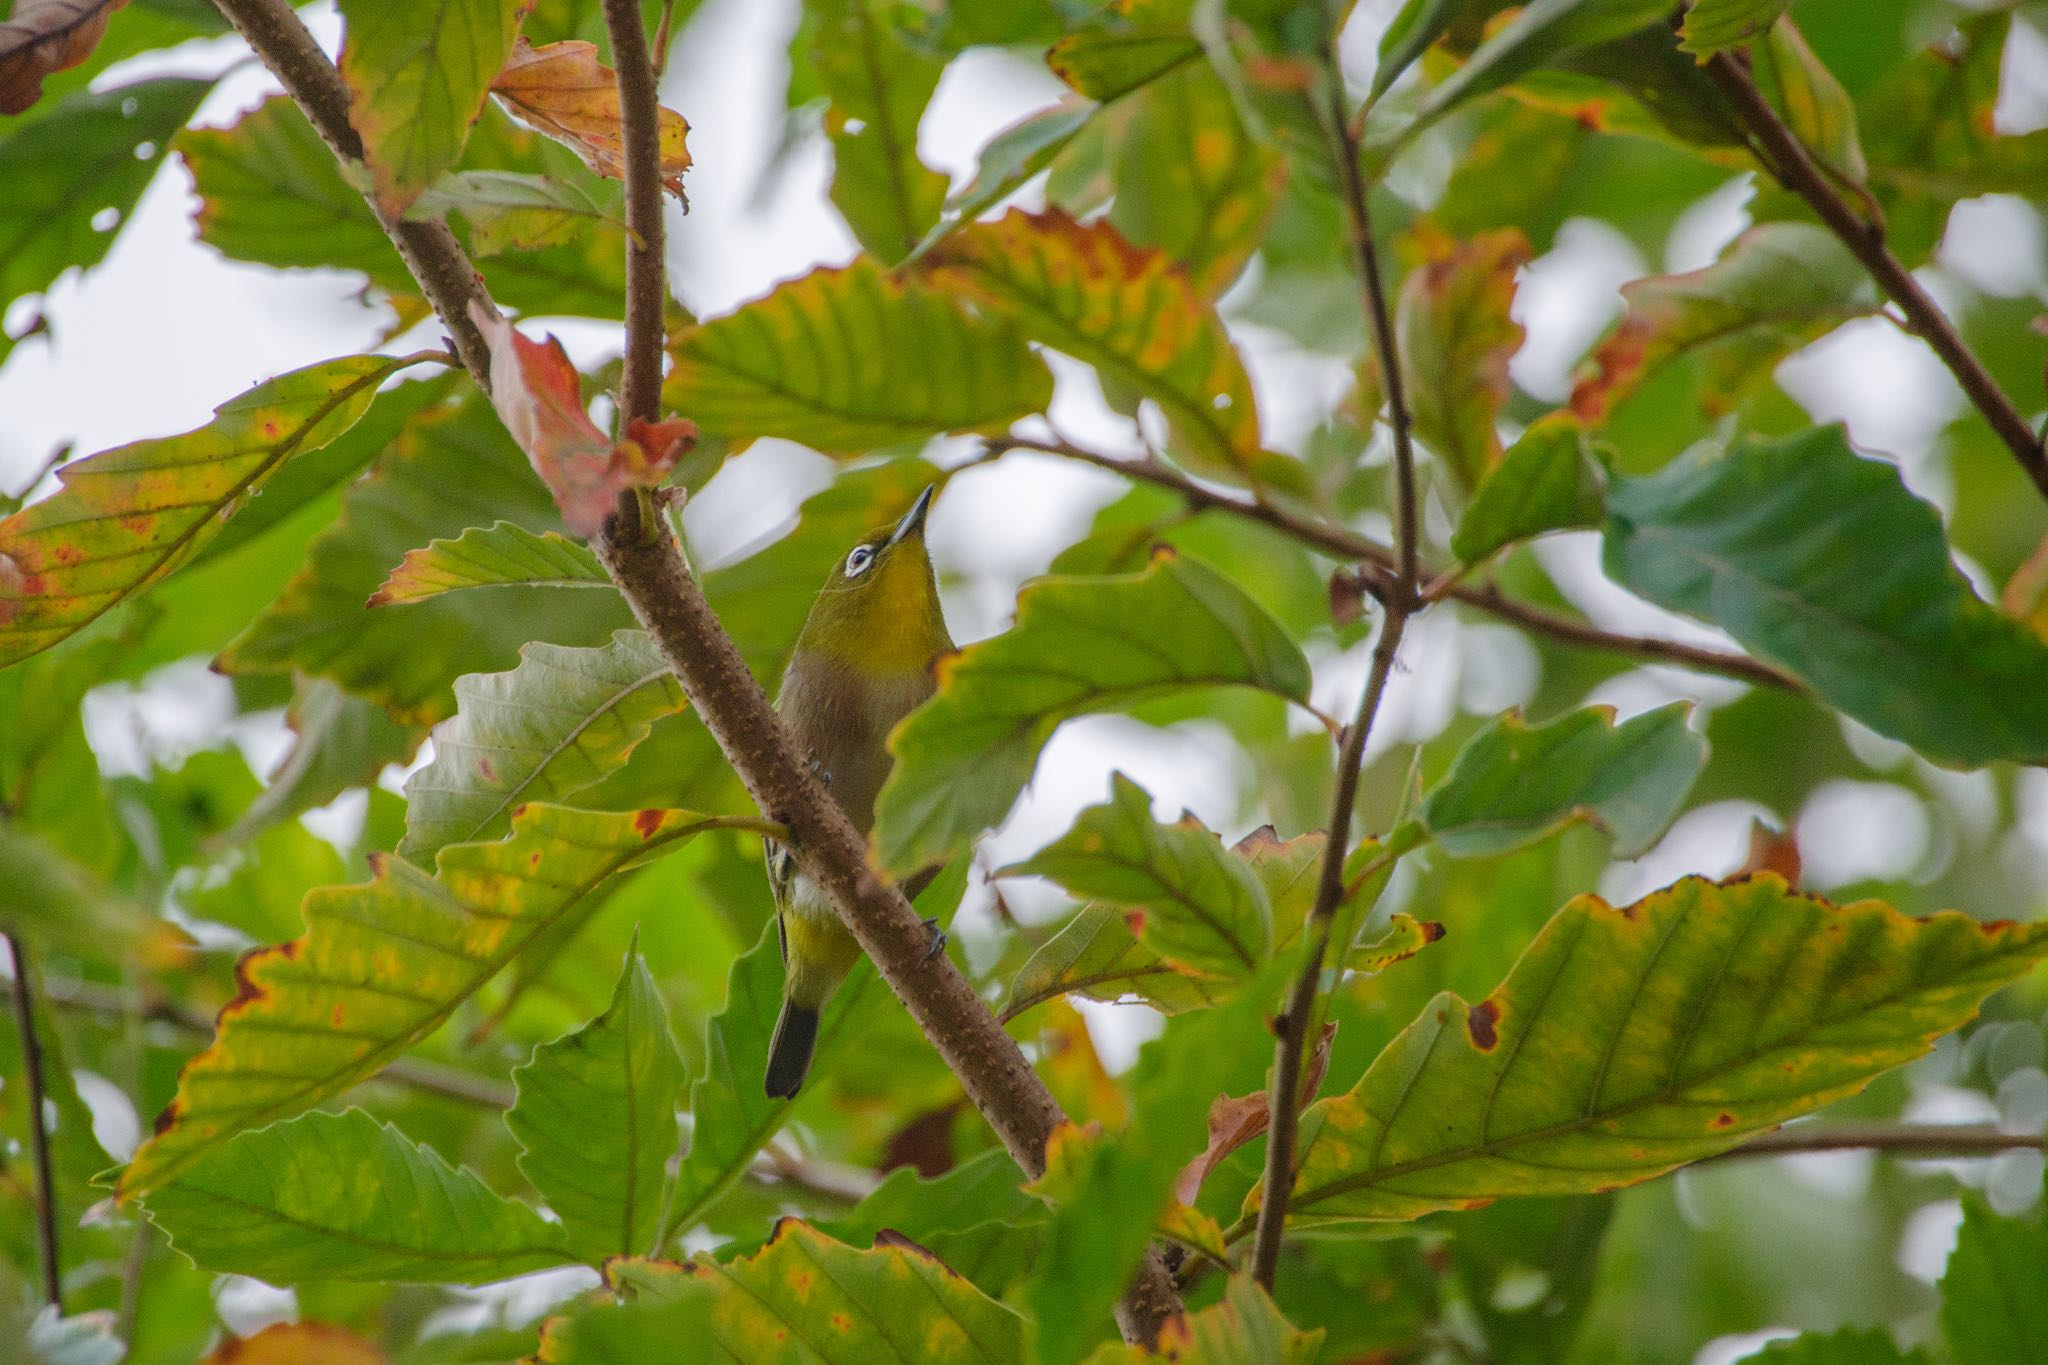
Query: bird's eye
[[857, 562]]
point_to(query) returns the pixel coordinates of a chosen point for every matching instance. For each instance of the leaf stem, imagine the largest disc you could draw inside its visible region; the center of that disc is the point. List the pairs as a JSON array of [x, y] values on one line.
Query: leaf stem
[[671, 605], [1788, 161], [38, 1129], [1340, 542]]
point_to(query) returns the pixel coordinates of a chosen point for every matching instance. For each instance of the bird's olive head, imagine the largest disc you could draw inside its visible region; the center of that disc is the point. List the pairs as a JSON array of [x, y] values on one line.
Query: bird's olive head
[[879, 608]]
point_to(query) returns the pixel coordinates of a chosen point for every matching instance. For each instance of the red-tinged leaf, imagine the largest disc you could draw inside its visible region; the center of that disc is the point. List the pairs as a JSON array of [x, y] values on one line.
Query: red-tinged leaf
[[1772, 850], [1456, 339], [128, 517], [298, 1343], [563, 90], [536, 393], [1235, 1120], [41, 37]]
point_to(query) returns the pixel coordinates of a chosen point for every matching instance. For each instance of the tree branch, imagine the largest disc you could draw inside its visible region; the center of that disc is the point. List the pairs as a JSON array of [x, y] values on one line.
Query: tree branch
[[1340, 542], [436, 260], [1400, 598], [669, 603], [646, 281], [1795, 168], [39, 1133]]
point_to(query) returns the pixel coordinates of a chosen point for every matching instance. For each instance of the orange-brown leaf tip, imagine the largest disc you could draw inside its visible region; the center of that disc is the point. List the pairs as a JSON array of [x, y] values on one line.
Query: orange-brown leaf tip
[[647, 822], [167, 1117], [890, 1237], [1432, 930], [519, 812], [376, 859], [1264, 837], [1472, 1205], [1482, 1021], [1161, 553], [788, 1223], [1134, 920]]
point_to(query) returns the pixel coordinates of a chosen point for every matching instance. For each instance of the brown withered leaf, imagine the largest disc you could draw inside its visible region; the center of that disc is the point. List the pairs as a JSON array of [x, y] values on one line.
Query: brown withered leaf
[[534, 388], [42, 37], [1235, 1120], [1772, 850], [564, 91]]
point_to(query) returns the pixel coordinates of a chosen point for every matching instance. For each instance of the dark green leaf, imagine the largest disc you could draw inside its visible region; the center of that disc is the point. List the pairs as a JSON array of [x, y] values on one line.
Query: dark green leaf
[[1712, 26], [1992, 1310], [878, 86], [1821, 562], [1544, 482]]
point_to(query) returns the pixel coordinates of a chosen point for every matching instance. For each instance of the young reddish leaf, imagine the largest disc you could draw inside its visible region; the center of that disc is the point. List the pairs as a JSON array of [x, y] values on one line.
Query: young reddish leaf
[[417, 75], [1235, 1120], [42, 37], [1456, 338], [563, 90], [534, 388]]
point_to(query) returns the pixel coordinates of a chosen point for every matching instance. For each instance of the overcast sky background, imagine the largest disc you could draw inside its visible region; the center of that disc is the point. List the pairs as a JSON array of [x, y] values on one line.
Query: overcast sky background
[[165, 329]]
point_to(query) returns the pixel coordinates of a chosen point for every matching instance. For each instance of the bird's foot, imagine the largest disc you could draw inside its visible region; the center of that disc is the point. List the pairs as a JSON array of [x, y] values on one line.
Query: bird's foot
[[938, 943]]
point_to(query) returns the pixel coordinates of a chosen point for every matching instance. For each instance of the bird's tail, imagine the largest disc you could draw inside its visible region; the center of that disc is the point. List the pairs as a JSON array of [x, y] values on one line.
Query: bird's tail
[[789, 1051]]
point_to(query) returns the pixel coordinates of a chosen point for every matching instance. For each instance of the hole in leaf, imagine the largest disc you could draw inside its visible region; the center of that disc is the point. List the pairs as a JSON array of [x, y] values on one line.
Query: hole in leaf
[[144, 150], [106, 220]]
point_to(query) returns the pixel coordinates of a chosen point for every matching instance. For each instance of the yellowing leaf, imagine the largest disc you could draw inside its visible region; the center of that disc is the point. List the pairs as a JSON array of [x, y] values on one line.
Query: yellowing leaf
[[1235, 1120], [563, 90], [503, 554], [298, 1343], [1131, 313], [1628, 1041], [417, 74], [40, 37], [1456, 339], [1816, 107], [852, 359], [1096, 955], [1777, 287], [538, 397], [1245, 1328], [1105, 63], [384, 964], [127, 517]]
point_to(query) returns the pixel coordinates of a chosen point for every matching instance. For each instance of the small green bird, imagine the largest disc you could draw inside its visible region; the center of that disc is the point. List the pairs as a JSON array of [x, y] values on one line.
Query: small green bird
[[862, 663]]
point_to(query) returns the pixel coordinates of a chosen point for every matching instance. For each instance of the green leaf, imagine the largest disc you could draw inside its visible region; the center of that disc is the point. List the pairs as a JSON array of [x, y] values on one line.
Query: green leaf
[[511, 211], [1776, 288], [1096, 955], [68, 172], [127, 517], [501, 555], [1839, 1348], [852, 359], [1244, 1328], [1106, 63], [1629, 1041], [1541, 33], [1016, 154], [1133, 315], [559, 722], [1822, 562], [975, 1218], [417, 75], [271, 192], [1991, 1306], [344, 1197], [879, 86], [1456, 339], [1712, 26], [1191, 181], [449, 470], [1198, 907], [384, 964], [1514, 783], [1544, 482], [1415, 28], [596, 1120], [1815, 106], [338, 742], [1080, 645]]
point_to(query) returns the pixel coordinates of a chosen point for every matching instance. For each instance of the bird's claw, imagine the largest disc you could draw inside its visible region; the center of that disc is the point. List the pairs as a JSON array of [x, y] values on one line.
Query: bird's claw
[[938, 943]]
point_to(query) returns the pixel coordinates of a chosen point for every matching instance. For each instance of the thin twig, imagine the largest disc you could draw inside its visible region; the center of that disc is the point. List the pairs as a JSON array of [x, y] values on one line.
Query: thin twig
[[1908, 1140], [1795, 168], [1340, 542], [1401, 598], [39, 1133]]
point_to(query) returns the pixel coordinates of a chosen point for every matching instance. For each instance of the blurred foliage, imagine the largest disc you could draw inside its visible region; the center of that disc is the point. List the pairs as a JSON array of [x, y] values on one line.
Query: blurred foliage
[[435, 927]]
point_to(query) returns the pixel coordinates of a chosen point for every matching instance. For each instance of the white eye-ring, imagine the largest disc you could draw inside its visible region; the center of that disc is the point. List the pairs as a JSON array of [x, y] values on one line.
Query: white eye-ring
[[857, 562]]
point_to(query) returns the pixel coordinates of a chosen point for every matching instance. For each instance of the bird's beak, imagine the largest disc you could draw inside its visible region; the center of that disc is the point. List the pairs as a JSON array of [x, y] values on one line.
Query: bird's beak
[[913, 520]]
